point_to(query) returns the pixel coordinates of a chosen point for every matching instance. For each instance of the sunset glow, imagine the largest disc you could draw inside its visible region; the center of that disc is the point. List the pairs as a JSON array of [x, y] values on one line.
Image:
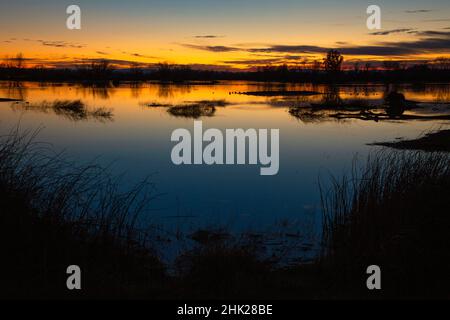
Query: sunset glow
[[222, 35]]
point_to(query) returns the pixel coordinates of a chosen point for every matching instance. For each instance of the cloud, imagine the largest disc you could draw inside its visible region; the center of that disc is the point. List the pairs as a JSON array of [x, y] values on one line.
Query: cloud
[[207, 36], [138, 55], [290, 49], [59, 44], [212, 67], [283, 59], [436, 20], [428, 41], [102, 53], [254, 61], [418, 11], [82, 62], [211, 48], [432, 33], [386, 32]]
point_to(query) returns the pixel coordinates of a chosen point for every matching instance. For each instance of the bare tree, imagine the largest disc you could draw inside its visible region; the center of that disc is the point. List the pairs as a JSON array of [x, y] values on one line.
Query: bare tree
[[19, 61], [391, 65], [101, 69], [441, 63], [333, 62], [316, 65]]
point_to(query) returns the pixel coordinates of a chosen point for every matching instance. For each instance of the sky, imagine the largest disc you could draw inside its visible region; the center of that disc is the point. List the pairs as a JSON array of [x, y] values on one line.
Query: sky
[[232, 34]]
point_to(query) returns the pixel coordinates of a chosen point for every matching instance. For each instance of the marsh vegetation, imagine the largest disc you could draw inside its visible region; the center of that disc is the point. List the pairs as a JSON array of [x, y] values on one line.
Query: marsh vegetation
[[74, 110], [392, 211]]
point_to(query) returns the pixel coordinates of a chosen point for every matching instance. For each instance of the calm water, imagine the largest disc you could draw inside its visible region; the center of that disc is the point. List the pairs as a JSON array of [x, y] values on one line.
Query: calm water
[[137, 140]]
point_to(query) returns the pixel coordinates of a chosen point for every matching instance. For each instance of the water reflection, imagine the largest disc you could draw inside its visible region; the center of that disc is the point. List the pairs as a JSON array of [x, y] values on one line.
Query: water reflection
[[14, 90], [320, 132], [74, 110]]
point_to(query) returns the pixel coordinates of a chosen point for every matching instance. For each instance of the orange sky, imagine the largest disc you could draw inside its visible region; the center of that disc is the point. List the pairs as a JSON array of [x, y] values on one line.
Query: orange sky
[[236, 34]]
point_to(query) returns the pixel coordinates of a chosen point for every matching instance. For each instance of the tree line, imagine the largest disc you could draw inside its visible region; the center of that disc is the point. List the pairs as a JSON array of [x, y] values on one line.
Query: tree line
[[330, 69]]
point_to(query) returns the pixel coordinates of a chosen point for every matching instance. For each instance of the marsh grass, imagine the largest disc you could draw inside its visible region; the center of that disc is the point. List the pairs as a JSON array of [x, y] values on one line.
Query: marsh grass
[[224, 267], [194, 111], [55, 213], [190, 109], [308, 115], [392, 212], [74, 110]]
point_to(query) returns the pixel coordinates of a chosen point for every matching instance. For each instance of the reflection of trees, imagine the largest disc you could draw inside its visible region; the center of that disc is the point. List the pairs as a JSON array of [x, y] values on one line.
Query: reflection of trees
[[395, 104], [16, 90], [442, 94], [169, 90], [136, 89], [331, 97], [104, 91], [439, 93], [268, 86], [365, 91], [288, 102]]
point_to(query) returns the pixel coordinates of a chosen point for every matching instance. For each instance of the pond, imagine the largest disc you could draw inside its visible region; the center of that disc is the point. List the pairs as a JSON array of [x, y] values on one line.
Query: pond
[[129, 126]]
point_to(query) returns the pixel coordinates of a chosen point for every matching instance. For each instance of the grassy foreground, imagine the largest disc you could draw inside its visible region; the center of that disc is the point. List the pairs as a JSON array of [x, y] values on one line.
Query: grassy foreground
[[392, 212]]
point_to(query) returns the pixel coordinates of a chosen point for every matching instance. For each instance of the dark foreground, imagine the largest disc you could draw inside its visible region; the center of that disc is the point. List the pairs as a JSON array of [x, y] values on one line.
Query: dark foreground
[[434, 141], [393, 212]]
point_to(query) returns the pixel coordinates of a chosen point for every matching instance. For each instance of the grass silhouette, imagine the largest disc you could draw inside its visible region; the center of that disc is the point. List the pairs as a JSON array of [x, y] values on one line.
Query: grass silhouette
[[55, 214], [74, 110], [392, 212]]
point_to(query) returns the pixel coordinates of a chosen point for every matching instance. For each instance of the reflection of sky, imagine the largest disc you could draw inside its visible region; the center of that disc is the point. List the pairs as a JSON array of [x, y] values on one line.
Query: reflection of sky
[[138, 143], [153, 31]]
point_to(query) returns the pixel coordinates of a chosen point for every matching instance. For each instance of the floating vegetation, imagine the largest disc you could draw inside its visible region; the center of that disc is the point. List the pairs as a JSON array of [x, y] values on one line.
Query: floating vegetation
[[394, 107], [308, 115], [192, 111], [75, 110]]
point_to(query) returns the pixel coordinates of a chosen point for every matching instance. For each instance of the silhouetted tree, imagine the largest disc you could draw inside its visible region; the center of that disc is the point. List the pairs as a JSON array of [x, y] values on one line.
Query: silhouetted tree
[[101, 69], [135, 70], [19, 61], [441, 63], [333, 62], [316, 66], [391, 65]]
